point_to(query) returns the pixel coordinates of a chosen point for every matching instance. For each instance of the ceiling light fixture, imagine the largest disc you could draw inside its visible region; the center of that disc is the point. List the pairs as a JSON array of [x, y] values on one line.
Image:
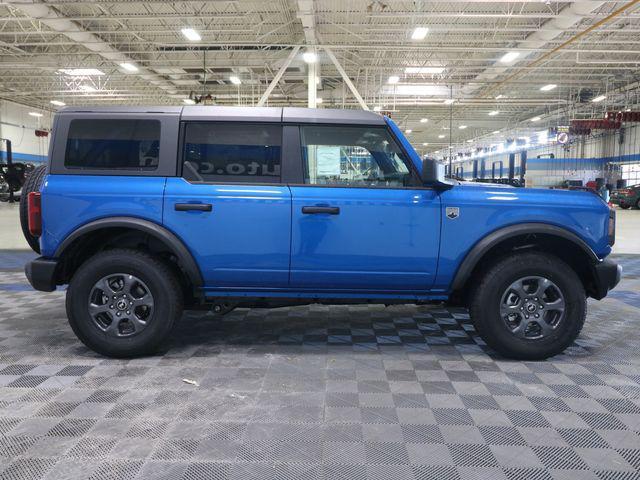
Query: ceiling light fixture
[[419, 33], [496, 132], [426, 70], [188, 101], [35, 114], [440, 136], [81, 72], [408, 130], [462, 127], [509, 57], [191, 34], [86, 88], [425, 144], [393, 79], [235, 80], [318, 100], [549, 87], [377, 108], [449, 101], [310, 57], [599, 98], [57, 103], [129, 67], [535, 119], [499, 97], [493, 113], [424, 120]]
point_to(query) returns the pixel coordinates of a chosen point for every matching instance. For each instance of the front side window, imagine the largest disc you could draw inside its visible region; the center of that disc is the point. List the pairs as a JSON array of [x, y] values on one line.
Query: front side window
[[113, 144], [354, 156], [237, 153]]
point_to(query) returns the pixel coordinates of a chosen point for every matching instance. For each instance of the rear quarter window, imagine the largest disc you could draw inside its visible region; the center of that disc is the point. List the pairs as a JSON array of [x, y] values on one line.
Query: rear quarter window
[[119, 144]]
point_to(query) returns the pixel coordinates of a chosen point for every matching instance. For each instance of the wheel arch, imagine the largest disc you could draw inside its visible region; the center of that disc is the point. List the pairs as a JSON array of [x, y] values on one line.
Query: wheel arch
[[539, 236], [96, 235]]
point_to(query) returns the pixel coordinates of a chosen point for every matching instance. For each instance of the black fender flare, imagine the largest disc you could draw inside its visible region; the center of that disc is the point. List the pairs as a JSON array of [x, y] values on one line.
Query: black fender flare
[[178, 248], [491, 240]]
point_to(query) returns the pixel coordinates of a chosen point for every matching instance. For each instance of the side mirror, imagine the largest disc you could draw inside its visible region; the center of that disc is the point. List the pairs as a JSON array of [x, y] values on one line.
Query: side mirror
[[433, 174]]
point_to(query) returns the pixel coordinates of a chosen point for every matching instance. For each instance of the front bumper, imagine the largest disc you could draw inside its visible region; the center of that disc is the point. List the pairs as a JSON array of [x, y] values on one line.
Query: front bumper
[[607, 275], [41, 273]]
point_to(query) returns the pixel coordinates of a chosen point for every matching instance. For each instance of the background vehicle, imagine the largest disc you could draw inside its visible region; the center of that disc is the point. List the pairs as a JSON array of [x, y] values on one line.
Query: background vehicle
[[626, 197], [283, 206]]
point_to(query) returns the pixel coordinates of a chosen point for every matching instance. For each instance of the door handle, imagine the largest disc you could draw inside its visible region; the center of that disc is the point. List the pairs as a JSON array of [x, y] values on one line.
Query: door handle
[[200, 207], [316, 209]]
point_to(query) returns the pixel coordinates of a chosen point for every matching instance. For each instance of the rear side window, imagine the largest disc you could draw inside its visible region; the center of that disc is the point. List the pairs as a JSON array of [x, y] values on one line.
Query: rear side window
[[113, 144], [235, 153]]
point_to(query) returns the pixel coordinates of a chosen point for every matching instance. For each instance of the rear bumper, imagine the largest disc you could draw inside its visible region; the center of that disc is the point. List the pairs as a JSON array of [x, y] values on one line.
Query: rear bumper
[[607, 276], [41, 274]]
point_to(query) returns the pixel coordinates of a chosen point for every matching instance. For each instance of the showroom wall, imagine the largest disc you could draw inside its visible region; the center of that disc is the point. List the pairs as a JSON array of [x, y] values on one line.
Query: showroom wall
[[18, 126], [611, 155]]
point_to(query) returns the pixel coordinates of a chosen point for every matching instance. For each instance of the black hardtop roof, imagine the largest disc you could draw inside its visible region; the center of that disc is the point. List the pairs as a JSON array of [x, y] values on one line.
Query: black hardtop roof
[[243, 114]]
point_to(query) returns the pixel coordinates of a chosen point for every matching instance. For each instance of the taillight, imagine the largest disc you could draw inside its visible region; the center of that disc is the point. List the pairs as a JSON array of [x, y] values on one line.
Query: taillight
[[35, 214], [612, 226]]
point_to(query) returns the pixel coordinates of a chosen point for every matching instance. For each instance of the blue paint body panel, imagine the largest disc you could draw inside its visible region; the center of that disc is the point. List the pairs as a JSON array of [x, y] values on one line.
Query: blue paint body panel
[[71, 201], [244, 241], [385, 239]]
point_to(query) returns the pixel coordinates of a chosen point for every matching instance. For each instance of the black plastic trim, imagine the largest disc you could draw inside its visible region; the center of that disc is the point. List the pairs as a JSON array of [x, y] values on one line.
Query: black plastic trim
[[178, 248], [41, 273], [607, 276], [491, 240]]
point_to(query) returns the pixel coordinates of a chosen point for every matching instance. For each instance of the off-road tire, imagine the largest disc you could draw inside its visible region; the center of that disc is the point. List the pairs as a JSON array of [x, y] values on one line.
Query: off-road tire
[[32, 184], [163, 286], [486, 298]]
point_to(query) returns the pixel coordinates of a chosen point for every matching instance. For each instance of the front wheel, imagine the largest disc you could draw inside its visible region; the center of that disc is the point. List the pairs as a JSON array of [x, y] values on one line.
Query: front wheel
[[123, 303], [529, 306]]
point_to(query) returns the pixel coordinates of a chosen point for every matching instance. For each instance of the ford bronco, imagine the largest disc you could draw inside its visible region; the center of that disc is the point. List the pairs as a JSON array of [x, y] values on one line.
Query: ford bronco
[[144, 212]]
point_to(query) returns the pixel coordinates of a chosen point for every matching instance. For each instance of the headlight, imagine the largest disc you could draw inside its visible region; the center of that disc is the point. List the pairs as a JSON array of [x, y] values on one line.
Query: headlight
[[612, 226]]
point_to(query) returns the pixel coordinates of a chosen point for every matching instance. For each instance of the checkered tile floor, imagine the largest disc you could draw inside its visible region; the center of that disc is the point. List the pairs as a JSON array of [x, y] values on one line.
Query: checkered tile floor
[[314, 392]]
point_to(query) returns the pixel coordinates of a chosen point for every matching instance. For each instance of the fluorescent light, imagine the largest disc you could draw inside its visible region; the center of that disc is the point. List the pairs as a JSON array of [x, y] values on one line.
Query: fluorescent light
[[509, 57], [470, 140], [462, 127], [408, 130], [57, 103], [424, 120], [235, 80], [318, 100], [191, 34], [377, 108], [549, 87], [493, 113], [129, 67], [189, 101], [427, 70], [81, 72], [599, 98], [425, 144], [35, 114], [535, 119], [440, 136], [499, 97], [411, 89], [449, 101], [310, 57], [86, 88], [496, 132], [393, 79], [419, 33]]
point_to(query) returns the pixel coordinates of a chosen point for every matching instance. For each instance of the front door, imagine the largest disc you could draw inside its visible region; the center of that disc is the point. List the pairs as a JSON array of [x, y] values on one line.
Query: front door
[[229, 206], [360, 222]]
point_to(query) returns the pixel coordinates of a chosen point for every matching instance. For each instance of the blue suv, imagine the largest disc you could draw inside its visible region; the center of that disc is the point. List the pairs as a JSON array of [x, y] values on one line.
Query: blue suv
[[147, 211]]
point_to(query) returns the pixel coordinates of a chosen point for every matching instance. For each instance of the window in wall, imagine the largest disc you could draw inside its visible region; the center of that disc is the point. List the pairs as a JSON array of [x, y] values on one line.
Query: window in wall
[[113, 144], [356, 156], [631, 173], [237, 153]]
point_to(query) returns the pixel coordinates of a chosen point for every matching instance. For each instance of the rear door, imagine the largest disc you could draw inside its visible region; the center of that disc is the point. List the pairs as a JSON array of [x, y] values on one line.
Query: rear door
[[360, 219], [229, 206]]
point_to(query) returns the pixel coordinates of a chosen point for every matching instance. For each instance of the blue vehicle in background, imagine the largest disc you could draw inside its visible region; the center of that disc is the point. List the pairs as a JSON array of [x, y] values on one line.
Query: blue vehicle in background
[[145, 212]]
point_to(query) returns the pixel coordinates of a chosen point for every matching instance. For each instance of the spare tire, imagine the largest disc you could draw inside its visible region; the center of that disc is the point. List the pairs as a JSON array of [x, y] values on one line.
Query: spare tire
[[32, 184]]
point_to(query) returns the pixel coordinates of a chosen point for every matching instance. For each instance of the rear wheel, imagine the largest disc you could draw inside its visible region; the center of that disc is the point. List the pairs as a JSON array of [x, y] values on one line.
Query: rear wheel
[[123, 303], [625, 207], [638, 203], [32, 184], [529, 306]]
